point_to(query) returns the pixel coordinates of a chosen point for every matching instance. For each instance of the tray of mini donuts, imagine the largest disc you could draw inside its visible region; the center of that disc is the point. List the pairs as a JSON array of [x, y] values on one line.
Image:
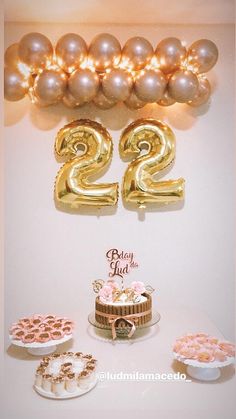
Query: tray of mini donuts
[[41, 331]]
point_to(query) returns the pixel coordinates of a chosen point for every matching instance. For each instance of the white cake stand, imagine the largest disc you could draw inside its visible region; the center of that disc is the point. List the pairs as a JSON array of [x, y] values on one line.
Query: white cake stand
[[66, 395], [37, 348], [201, 370]]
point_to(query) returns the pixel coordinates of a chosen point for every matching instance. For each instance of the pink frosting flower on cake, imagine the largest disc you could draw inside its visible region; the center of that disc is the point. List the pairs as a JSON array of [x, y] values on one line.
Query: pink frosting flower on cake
[[138, 287], [113, 284], [105, 294]]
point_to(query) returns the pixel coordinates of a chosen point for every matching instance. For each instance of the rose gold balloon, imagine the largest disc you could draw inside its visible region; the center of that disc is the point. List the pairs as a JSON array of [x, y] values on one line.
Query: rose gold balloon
[[71, 51], [102, 102], [183, 86], [203, 55], [15, 84], [133, 102], [170, 54], [83, 85], [203, 94], [11, 57], [150, 85], [104, 51], [117, 84], [166, 100], [50, 86], [137, 53], [69, 100], [35, 50]]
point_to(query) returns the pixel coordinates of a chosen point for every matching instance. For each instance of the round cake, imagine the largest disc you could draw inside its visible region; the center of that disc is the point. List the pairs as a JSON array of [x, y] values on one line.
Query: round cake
[[65, 374], [122, 307]]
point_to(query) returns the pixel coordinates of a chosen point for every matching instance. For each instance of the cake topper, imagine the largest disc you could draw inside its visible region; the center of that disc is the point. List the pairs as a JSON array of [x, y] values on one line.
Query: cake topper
[[120, 263]]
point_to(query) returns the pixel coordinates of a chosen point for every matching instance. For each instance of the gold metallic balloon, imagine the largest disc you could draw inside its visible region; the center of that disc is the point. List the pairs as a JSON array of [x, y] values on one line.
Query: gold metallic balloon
[[133, 102], [203, 94], [104, 52], [36, 51], [73, 188], [183, 86], [83, 84], [166, 100], [203, 55], [102, 102], [139, 185], [117, 84], [170, 54], [50, 86], [71, 51], [16, 85], [150, 85], [137, 53], [11, 57]]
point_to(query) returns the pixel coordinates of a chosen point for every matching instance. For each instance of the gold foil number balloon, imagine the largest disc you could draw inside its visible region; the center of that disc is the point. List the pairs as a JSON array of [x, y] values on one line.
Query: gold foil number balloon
[[139, 185], [72, 187]]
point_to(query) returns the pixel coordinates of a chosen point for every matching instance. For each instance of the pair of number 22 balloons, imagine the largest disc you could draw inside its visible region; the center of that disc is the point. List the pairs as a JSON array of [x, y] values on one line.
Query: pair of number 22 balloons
[[148, 142]]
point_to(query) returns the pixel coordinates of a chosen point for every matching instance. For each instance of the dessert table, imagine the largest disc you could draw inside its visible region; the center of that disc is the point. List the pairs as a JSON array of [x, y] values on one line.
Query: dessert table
[[149, 352]]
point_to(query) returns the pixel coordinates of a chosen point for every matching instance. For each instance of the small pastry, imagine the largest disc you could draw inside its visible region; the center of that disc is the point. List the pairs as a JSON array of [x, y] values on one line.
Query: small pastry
[[84, 380], [50, 322], [36, 322], [49, 317], [71, 383], [88, 356], [28, 338], [68, 323], [44, 337], [55, 355], [24, 320], [29, 327], [78, 354], [56, 334], [57, 325], [47, 382], [18, 335], [58, 385], [39, 377], [220, 355], [205, 356], [67, 330], [90, 366]]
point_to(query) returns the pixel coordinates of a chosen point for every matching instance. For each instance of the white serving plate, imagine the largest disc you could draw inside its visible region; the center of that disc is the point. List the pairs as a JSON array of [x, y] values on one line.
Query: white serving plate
[[67, 395], [37, 348]]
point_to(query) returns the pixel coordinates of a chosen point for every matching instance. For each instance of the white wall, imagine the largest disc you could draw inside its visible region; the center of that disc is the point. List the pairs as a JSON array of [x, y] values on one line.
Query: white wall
[[185, 252]]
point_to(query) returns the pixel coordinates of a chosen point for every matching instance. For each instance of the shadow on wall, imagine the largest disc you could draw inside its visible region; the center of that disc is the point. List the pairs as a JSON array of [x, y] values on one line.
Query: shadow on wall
[[179, 116]]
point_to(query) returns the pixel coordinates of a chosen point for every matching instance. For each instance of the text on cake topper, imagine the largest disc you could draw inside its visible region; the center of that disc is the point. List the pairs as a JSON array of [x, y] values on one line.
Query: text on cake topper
[[120, 262]]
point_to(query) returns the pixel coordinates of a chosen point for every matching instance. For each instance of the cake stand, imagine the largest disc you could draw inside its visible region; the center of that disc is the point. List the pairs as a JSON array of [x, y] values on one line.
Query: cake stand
[[66, 395], [204, 371], [36, 348], [122, 332]]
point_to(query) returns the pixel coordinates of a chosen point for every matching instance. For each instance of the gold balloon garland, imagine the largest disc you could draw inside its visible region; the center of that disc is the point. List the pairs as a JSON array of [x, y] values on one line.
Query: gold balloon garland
[[105, 74]]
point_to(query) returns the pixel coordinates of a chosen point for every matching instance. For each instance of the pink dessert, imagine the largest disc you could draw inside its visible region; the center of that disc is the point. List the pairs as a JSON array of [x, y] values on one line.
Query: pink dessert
[[203, 348], [57, 334], [44, 337], [29, 338], [41, 328]]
